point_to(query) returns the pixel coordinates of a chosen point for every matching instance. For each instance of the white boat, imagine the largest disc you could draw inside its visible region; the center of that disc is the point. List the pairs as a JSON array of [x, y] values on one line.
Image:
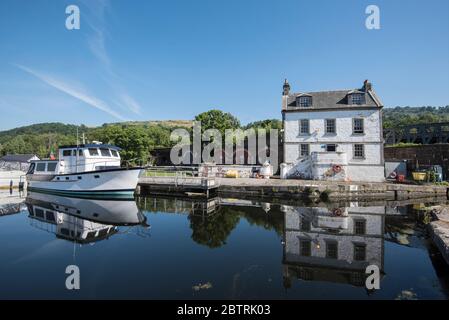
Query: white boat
[[87, 170]]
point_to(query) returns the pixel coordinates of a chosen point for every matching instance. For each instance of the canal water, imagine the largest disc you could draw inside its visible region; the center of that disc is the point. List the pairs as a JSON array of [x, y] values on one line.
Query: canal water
[[156, 248]]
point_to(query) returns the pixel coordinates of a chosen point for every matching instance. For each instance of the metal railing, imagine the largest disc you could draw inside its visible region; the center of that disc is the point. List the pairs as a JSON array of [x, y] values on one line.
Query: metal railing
[[178, 176]]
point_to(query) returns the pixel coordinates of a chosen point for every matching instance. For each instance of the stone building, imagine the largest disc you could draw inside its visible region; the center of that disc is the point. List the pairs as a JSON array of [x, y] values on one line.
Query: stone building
[[333, 135]]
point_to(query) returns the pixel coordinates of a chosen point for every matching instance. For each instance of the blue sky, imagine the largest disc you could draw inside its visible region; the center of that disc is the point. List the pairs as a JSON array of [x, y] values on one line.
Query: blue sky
[[150, 60]]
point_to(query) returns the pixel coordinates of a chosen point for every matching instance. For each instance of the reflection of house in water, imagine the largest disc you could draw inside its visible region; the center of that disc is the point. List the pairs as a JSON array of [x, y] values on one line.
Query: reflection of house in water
[[81, 220], [332, 245]]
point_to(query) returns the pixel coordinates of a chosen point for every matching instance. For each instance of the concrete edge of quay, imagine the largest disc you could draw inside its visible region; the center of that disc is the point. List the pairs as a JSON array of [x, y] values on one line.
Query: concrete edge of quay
[[331, 190], [439, 229], [439, 233]]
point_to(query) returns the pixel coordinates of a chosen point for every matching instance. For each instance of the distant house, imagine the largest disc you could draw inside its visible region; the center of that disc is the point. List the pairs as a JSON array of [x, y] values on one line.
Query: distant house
[[333, 135], [17, 161]]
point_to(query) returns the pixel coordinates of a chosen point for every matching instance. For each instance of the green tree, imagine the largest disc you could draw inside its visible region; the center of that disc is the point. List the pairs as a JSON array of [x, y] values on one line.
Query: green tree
[[265, 124], [217, 119]]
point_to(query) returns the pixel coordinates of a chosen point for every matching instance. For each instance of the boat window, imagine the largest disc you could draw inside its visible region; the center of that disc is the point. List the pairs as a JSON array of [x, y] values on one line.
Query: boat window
[[93, 151], [114, 153], [66, 153], [105, 152], [50, 216], [65, 231], [51, 166], [81, 153], [40, 167], [39, 213]]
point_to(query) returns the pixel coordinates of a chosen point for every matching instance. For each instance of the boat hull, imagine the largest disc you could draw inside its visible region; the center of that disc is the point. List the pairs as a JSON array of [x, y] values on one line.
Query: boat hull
[[115, 183]]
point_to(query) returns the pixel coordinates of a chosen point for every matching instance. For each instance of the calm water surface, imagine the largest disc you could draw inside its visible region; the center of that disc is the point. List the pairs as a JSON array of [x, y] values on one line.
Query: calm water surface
[[224, 248]]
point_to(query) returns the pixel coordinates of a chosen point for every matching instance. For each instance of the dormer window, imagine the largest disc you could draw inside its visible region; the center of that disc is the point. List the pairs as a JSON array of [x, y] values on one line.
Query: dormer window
[[304, 101], [357, 98]]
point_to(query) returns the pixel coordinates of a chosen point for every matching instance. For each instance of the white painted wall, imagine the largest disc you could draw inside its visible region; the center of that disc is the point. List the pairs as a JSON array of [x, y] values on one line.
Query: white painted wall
[[365, 173], [368, 169], [343, 124]]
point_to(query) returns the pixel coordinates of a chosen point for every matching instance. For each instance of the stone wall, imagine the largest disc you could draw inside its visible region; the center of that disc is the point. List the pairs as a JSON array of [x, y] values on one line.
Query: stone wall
[[436, 154]]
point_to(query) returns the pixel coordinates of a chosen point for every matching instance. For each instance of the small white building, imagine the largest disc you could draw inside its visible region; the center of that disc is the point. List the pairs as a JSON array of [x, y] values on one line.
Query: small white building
[[333, 135], [19, 162]]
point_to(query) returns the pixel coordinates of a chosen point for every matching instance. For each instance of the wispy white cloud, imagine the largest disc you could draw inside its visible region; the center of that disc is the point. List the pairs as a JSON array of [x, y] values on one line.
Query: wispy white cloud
[[74, 92], [95, 17], [96, 20], [96, 44], [132, 104]]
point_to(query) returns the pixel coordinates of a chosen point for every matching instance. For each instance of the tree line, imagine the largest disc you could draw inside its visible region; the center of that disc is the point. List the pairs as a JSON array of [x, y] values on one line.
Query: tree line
[[137, 139]]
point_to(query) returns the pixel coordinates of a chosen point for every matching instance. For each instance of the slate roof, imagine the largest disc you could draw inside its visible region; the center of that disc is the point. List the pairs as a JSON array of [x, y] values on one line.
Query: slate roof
[[337, 99], [17, 157]]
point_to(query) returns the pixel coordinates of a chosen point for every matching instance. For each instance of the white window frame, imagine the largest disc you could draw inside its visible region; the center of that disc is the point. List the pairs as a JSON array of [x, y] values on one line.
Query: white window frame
[[354, 127], [301, 127], [357, 98], [304, 101], [354, 151], [301, 155], [326, 127]]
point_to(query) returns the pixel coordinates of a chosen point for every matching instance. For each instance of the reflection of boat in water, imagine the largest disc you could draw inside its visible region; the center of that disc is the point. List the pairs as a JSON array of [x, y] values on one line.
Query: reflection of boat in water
[[81, 220], [333, 246]]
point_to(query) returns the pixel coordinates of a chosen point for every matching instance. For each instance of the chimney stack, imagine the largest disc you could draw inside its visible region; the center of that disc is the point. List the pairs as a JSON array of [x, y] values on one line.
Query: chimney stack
[[286, 88], [367, 86]]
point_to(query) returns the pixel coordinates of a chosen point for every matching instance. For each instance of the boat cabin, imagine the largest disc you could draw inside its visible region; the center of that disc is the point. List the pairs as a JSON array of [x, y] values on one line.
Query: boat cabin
[[79, 158]]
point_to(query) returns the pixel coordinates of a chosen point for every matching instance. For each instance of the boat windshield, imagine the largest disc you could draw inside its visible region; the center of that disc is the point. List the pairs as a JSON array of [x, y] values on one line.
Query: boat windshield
[[105, 152], [31, 168]]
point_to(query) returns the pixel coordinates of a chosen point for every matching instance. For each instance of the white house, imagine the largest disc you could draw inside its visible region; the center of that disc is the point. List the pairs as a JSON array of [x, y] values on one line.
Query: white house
[[333, 135]]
